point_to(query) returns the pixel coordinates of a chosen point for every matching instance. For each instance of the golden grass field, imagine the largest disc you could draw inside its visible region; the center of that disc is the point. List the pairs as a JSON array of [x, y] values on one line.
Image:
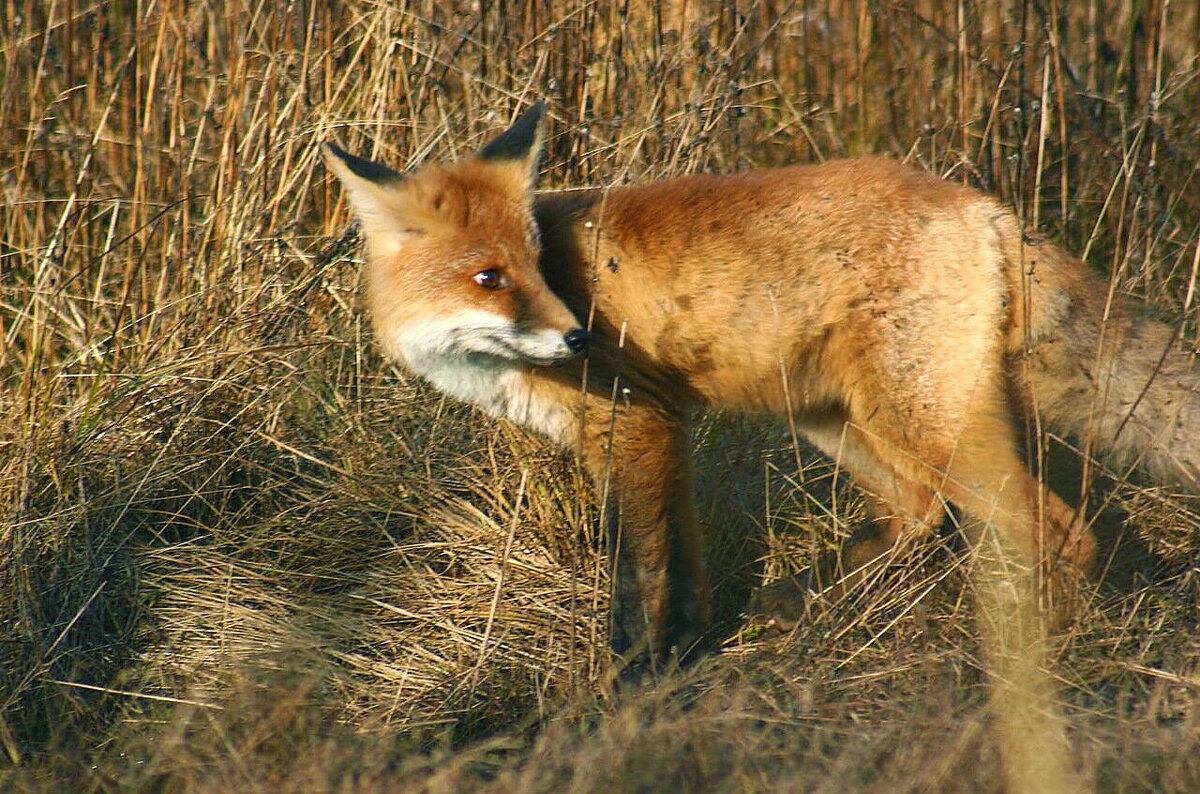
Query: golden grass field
[[241, 552]]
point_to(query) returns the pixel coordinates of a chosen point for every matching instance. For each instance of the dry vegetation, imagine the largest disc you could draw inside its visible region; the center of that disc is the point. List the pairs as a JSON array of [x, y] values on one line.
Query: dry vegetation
[[241, 552]]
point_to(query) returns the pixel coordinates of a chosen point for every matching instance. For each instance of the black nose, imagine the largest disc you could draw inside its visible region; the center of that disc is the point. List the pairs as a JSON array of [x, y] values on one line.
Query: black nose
[[576, 340]]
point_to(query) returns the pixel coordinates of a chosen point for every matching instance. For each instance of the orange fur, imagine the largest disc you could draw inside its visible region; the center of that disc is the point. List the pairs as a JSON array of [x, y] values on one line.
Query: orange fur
[[891, 314]]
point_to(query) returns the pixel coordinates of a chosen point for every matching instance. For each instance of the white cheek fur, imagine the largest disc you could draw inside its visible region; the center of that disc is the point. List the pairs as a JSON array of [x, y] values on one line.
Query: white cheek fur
[[483, 359], [482, 332]]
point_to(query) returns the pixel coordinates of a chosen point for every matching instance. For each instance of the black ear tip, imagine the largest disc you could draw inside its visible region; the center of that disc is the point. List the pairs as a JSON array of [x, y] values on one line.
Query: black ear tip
[[364, 169], [516, 142], [331, 151]]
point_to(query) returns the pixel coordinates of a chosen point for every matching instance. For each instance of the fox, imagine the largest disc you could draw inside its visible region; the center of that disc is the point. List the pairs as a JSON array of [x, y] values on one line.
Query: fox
[[905, 325]]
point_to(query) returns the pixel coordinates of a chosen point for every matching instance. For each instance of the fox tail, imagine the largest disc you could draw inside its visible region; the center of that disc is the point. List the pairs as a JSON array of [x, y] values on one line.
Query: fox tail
[[1096, 370]]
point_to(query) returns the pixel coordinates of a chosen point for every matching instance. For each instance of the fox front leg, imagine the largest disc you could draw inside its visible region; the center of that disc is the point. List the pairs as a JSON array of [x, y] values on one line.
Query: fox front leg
[[660, 597]]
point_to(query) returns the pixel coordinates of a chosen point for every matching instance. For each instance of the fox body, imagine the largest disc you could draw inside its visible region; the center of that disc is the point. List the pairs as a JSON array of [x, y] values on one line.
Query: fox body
[[903, 324]]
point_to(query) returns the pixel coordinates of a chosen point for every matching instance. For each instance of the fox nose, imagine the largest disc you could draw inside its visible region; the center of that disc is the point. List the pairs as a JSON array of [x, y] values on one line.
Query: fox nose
[[576, 339]]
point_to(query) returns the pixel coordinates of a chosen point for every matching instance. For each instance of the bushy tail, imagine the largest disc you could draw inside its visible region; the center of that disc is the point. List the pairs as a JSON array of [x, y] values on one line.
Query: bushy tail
[[1123, 384]]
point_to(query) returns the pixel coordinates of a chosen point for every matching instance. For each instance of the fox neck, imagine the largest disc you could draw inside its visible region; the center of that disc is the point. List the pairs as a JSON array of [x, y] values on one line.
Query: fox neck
[[504, 389]]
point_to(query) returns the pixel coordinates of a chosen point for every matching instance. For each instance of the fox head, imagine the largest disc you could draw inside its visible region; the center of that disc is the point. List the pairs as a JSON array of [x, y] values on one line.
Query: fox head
[[452, 259]]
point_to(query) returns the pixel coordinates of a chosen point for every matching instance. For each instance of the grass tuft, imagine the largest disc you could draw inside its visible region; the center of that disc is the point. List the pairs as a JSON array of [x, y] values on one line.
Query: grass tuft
[[240, 551]]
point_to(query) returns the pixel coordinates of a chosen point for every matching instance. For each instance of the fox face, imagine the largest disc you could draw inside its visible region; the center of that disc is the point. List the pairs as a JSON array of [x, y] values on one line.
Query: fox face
[[453, 284]]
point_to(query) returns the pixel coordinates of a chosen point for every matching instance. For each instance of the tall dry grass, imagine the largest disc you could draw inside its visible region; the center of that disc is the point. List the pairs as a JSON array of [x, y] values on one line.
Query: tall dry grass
[[240, 551]]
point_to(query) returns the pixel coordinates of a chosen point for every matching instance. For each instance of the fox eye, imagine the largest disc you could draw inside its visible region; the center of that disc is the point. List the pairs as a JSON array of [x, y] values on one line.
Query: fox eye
[[490, 279]]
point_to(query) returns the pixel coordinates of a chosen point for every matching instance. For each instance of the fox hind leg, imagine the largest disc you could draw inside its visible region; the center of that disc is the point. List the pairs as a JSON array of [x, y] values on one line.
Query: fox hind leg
[[901, 512], [992, 483], [979, 470]]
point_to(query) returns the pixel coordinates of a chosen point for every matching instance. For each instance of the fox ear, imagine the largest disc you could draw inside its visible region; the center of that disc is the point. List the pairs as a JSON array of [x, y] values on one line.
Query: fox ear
[[344, 164], [520, 145], [370, 187]]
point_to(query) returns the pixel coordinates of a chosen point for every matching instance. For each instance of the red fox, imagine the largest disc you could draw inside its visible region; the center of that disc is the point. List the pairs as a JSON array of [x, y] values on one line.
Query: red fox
[[903, 324]]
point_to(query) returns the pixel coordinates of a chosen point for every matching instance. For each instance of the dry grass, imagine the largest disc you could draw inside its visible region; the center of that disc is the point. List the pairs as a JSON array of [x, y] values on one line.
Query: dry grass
[[241, 552]]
